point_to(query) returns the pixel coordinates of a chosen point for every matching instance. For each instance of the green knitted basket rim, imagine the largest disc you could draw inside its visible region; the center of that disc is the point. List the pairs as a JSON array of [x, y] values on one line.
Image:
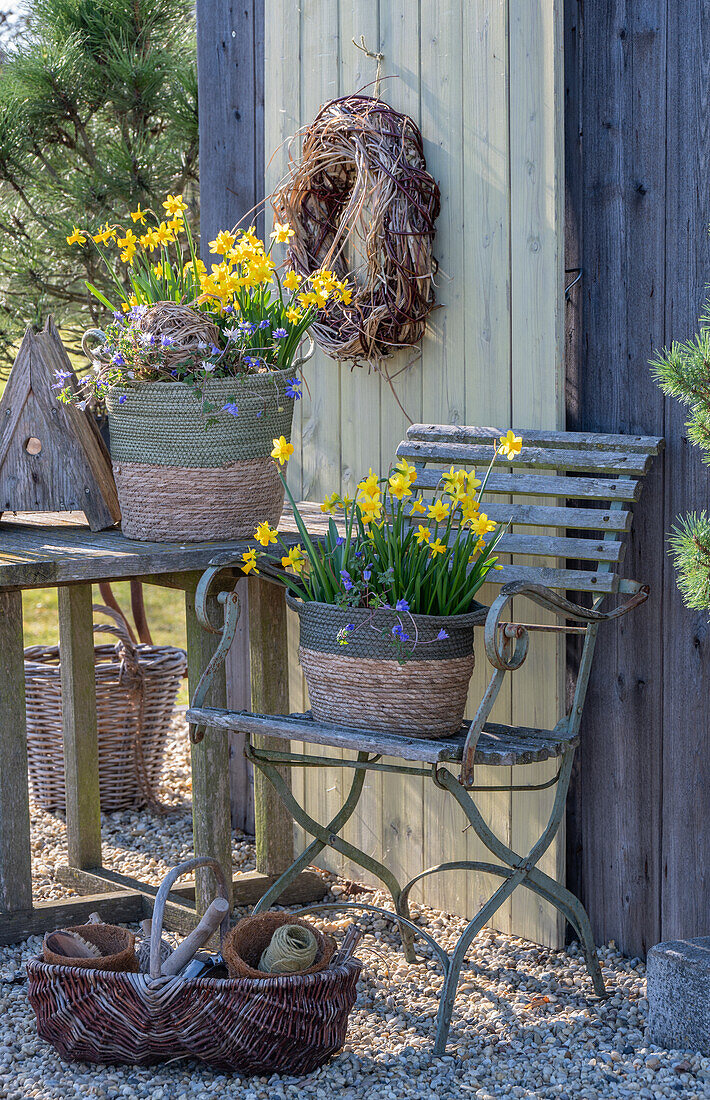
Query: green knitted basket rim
[[320, 624], [164, 423]]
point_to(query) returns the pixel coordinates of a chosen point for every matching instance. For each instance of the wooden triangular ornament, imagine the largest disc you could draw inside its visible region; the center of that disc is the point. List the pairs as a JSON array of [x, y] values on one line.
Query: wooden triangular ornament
[[52, 457]]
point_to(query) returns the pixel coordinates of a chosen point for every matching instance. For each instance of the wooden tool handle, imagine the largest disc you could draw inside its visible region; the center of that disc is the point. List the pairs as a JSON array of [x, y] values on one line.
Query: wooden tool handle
[[197, 938]]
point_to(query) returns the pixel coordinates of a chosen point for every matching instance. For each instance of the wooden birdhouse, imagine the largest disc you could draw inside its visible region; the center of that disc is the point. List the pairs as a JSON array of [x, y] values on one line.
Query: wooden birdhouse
[[52, 457]]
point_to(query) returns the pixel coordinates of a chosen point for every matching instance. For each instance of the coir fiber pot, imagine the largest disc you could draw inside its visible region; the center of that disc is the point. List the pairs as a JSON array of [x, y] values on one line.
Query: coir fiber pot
[[185, 469], [417, 687]]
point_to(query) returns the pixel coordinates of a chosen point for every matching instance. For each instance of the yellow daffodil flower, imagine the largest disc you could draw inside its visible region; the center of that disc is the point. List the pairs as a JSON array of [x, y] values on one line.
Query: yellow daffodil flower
[[223, 242], [469, 509], [292, 280], [104, 235], [399, 486], [417, 508], [248, 564], [163, 234], [129, 241], [175, 204], [265, 533], [128, 254], [282, 450], [293, 315], [76, 236], [307, 298], [370, 484], [423, 534], [295, 559], [407, 469], [482, 524], [438, 511], [149, 240], [139, 215], [282, 232], [436, 547], [330, 504], [510, 444]]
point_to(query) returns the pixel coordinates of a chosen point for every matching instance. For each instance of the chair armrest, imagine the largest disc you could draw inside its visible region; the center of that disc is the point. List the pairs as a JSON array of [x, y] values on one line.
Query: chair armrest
[[495, 637]]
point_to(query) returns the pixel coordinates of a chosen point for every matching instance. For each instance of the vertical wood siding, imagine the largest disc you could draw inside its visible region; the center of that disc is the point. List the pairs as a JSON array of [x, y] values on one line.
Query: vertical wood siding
[[484, 82], [639, 202]]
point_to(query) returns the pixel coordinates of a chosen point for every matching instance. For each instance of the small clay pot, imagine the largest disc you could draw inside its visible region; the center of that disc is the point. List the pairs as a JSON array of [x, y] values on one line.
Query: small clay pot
[[117, 947]]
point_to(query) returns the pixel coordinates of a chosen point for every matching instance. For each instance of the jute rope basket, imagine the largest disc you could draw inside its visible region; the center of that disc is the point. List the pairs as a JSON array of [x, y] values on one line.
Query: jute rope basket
[[136, 687], [364, 685], [287, 1024], [185, 469]]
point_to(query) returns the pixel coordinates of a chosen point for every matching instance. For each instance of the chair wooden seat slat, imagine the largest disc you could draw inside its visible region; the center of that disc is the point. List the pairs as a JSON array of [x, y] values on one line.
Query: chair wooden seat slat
[[498, 745], [588, 484]]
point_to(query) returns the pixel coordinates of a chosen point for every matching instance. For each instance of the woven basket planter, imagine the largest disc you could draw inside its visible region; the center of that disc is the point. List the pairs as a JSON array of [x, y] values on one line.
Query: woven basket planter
[[136, 687], [287, 1024], [364, 685], [183, 473]]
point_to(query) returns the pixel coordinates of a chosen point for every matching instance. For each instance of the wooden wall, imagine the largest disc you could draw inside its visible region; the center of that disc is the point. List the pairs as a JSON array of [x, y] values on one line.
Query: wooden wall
[[638, 145], [484, 82]]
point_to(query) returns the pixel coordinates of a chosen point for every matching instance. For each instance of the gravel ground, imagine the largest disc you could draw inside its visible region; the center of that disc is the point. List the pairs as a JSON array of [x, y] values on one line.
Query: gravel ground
[[525, 1024]]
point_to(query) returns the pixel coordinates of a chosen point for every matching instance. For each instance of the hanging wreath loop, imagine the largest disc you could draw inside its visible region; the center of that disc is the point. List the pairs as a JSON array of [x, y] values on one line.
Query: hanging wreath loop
[[362, 181]]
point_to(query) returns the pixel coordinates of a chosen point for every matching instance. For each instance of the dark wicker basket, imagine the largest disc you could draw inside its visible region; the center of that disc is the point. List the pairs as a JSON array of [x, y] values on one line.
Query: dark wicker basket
[[289, 1024]]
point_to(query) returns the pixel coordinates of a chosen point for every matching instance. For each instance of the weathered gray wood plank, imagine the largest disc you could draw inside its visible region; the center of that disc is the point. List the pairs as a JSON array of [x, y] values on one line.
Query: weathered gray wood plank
[[684, 858], [498, 745], [269, 694], [601, 462], [237, 672], [114, 908], [455, 433], [247, 888], [540, 485], [617, 171], [15, 858], [81, 747], [211, 819], [600, 520]]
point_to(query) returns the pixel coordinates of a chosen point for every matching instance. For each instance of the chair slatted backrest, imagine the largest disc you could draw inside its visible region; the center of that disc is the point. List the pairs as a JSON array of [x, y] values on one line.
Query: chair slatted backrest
[[579, 487]]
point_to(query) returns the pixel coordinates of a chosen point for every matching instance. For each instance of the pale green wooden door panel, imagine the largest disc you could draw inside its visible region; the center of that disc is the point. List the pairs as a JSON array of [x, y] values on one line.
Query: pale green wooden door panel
[[483, 81]]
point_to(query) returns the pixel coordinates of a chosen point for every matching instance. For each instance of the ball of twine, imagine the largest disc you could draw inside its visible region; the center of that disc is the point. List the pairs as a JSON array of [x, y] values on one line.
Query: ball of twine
[[186, 328], [362, 180], [290, 949]]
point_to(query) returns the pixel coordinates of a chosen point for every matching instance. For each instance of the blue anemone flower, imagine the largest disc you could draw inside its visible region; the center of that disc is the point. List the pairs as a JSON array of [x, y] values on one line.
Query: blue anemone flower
[[293, 389], [231, 408], [441, 636], [398, 632], [347, 580], [279, 333], [122, 399], [402, 605]]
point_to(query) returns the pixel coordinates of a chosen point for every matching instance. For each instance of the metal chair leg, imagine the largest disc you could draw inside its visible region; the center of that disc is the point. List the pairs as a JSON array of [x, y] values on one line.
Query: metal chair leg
[[326, 836]]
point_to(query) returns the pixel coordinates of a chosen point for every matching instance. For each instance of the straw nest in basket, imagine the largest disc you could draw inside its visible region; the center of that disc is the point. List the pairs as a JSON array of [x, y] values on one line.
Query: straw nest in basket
[[362, 179], [186, 329], [247, 941]]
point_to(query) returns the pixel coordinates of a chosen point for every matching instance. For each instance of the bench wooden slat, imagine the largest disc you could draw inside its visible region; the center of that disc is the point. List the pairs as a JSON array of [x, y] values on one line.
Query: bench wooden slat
[[453, 433], [539, 515], [498, 744], [548, 546], [541, 485], [614, 462], [576, 580]]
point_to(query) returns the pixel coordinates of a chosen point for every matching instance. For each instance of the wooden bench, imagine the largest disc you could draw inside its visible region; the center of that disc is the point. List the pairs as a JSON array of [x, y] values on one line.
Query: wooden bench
[[569, 499]]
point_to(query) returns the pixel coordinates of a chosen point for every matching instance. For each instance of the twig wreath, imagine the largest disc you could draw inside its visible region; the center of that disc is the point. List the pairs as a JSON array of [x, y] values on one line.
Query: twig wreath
[[362, 179]]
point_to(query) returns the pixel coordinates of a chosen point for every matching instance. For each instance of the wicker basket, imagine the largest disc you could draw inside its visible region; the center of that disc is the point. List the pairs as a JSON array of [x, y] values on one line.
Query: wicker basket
[[290, 1024], [418, 688], [136, 687], [183, 473]]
